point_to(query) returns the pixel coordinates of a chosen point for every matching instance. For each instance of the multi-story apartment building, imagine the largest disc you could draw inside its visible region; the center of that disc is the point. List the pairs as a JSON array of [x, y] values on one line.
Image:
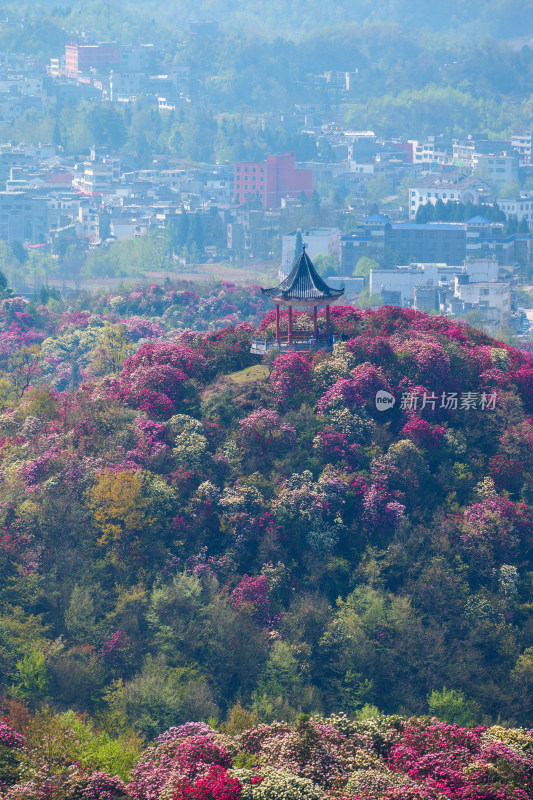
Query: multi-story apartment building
[[23, 218], [439, 242], [497, 170], [521, 142], [271, 180], [80, 58]]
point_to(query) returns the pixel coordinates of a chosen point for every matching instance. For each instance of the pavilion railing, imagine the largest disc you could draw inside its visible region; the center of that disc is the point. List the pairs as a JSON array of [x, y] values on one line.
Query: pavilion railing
[[300, 340]]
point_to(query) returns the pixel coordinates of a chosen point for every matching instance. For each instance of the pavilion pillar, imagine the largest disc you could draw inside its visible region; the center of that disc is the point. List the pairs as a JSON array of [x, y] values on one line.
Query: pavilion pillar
[[315, 325], [289, 335], [327, 319], [277, 323]]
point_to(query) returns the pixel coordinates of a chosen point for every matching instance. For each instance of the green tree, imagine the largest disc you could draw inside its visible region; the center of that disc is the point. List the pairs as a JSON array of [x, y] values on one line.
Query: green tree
[[364, 265], [327, 264], [451, 705], [106, 126], [32, 677]]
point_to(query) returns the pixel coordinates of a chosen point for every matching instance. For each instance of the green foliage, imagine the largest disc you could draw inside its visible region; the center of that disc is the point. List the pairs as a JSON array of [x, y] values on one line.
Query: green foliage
[[32, 677], [451, 705], [159, 696], [364, 265]]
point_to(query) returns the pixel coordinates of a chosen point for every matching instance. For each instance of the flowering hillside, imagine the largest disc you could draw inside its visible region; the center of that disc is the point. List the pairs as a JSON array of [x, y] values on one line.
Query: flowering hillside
[[348, 530], [378, 758]]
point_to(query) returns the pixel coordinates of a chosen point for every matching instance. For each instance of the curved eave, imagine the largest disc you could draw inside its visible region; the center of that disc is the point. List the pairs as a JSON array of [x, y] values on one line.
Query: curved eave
[[306, 300]]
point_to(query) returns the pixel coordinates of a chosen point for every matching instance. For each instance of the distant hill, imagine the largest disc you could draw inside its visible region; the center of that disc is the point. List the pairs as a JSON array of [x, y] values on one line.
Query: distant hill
[[465, 19]]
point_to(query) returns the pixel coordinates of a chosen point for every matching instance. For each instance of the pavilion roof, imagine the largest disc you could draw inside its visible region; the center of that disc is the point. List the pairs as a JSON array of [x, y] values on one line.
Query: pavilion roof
[[303, 283]]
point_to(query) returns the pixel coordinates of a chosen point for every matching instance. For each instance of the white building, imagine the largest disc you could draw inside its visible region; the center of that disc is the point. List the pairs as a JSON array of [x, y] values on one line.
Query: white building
[[521, 142], [491, 298], [497, 170], [317, 240], [468, 190], [399, 284], [489, 294], [432, 150], [521, 207]]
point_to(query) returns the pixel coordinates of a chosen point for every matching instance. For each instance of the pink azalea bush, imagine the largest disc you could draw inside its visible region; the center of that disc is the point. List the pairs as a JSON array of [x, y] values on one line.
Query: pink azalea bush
[[290, 376]]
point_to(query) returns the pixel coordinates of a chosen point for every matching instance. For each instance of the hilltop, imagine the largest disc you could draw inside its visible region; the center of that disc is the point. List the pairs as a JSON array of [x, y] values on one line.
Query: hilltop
[[178, 535]]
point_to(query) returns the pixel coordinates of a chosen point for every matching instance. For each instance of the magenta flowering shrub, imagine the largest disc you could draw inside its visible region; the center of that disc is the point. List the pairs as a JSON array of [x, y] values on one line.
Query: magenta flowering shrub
[[175, 355], [523, 378], [358, 390], [334, 445], [378, 350], [511, 467], [216, 785], [310, 750], [425, 361], [151, 385], [160, 378], [181, 753], [494, 532], [263, 431], [10, 738], [423, 434], [151, 448], [290, 376], [380, 509], [197, 753], [139, 328], [35, 470], [227, 349], [116, 654], [253, 592], [456, 762], [92, 786], [11, 743]]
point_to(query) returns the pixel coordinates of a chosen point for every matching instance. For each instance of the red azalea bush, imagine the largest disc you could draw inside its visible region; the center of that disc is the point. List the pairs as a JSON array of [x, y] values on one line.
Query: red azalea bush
[[216, 785], [523, 378], [376, 349], [334, 445], [422, 433], [151, 773], [166, 354]]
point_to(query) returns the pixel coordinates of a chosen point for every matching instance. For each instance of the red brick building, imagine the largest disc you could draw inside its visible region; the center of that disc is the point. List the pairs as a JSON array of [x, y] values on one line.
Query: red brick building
[[271, 180], [81, 57]]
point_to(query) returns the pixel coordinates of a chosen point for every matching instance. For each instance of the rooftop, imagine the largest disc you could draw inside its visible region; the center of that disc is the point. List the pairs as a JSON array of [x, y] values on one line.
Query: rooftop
[[303, 284]]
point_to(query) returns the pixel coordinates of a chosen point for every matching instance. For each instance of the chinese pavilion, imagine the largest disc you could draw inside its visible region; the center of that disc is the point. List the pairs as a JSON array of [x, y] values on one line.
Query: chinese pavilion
[[303, 288]]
